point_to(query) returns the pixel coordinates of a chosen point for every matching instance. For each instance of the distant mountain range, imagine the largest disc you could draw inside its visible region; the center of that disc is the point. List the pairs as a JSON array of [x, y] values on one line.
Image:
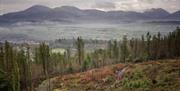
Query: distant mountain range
[[70, 14]]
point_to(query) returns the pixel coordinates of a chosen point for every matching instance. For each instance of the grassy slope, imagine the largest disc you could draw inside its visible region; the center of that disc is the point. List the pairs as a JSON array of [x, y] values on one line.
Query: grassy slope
[[160, 75]]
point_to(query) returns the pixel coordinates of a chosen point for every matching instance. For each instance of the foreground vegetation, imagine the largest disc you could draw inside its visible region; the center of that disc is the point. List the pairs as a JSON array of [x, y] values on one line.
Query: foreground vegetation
[[158, 75], [23, 68]]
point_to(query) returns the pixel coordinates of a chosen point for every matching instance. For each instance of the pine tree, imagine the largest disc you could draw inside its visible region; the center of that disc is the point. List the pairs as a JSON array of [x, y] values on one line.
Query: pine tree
[[7, 56], [116, 51], [44, 56], [22, 67], [124, 49], [143, 53], [15, 77], [2, 65], [148, 38], [159, 47], [29, 71], [110, 49], [80, 50]]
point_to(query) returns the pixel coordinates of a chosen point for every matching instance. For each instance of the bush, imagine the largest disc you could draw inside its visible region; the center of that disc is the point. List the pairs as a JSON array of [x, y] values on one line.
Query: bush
[[136, 80], [70, 69]]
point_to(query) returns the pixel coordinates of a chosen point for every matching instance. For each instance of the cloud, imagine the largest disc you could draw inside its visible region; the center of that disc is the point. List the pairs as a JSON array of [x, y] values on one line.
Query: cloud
[[10, 2], [104, 5], [141, 5], [146, 1]]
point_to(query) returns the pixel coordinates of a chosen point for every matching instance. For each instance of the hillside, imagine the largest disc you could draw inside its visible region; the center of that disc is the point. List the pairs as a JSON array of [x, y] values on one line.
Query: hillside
[[159, 75]]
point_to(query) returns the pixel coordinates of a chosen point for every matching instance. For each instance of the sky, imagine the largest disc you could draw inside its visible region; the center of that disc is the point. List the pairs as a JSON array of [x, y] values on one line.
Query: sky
[[106, 5]]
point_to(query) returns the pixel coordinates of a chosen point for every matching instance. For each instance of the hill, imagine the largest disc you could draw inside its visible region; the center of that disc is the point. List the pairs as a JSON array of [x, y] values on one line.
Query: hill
[[175, 15], [158, 13], [159, 75], [70, 14]]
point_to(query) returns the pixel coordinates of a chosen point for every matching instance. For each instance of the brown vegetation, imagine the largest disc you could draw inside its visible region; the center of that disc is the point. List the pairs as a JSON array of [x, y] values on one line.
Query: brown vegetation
[[104, 79]]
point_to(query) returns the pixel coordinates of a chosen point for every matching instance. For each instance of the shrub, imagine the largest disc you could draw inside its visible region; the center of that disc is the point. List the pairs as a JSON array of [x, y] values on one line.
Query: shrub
[[136, 79]]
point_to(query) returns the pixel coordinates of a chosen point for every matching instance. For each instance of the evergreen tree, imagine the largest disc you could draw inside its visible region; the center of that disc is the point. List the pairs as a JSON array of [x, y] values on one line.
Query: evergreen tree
[[116, 51], [44, 57], [29, 71], [80, 50], [143, 53], [110, 49], [148, 38], [2, 58], [15, 77], [124, 49]]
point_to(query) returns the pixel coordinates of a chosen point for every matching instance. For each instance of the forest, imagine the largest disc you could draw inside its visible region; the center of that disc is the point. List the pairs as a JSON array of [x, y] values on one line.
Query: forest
[[24, 68]]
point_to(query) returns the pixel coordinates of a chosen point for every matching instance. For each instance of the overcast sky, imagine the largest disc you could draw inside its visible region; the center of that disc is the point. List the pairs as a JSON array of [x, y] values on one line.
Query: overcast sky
[[130, 5]]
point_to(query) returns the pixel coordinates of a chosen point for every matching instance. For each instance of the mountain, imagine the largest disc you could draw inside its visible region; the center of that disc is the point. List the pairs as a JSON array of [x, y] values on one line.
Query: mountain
[[68, 14], [37, 8], [127, 15], [156, 13], [34, 13], [174, 16]]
